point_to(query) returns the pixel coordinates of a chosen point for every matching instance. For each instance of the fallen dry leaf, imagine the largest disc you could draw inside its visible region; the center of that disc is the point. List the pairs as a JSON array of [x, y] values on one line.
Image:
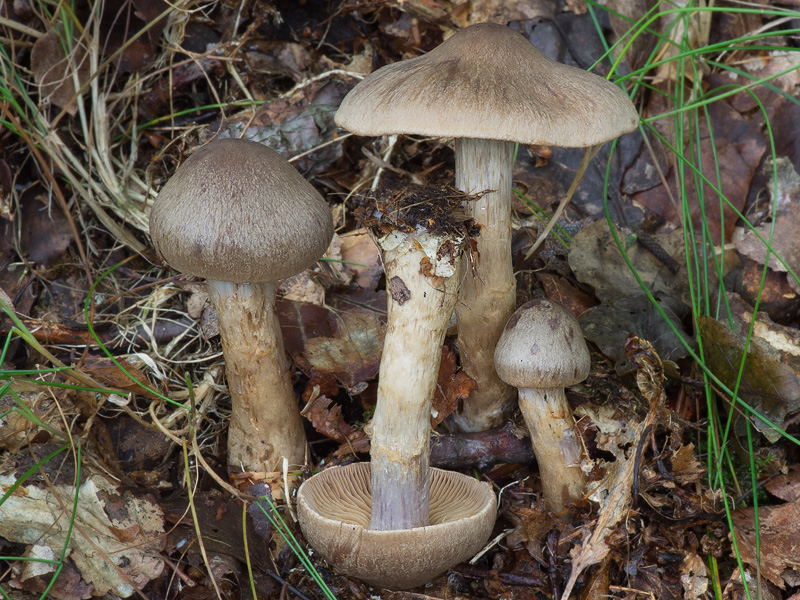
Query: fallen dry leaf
[[786, 222], [780, 554], [341, 338], [596, 260], [453, 386], [115, 540], [737, 148], [768, 386], [54, 71], [694, 577], [328, 421], [786, 487], [613, 492]]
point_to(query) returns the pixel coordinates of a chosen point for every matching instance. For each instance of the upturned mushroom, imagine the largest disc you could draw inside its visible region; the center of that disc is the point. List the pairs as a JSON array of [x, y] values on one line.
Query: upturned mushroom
[[334, 507], [488, 87], [239, 215], [540, 352]]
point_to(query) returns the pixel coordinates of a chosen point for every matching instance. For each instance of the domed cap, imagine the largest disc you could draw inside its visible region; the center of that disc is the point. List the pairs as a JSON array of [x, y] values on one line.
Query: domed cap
[[542, 347], [488, 81], [334, 507], [237, 211]]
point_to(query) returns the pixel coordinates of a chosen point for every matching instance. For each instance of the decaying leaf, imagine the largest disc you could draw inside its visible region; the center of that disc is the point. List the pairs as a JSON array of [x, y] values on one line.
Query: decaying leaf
[[609, 324], [342, 338], [295, 125], [768, 386], [786, 487], [56, 73], [736, 146], [779, 558], [452, 387], [786, 222], [694, 577], [613, 492], [596, 260], [115, 540]]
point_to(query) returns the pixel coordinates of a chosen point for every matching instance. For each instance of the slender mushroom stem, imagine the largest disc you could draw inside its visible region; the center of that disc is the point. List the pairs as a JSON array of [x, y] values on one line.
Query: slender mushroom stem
[[558, 452], [265, 423], [488, 296], [419, 308]]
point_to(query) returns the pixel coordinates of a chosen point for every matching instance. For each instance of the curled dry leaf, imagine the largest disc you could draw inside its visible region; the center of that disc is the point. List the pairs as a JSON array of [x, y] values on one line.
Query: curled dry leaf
[[453, 386], [613, 492], [328, 421]]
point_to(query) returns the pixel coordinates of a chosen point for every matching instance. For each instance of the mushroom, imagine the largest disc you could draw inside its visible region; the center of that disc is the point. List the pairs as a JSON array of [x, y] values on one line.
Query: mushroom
[[488, 87], [540, 352], [333, 509], [240, 216], [421, 247], [396, 522]]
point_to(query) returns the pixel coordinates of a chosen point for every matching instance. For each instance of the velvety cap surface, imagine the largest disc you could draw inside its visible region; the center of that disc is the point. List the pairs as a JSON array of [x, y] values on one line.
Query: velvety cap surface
[[542, 346], [334, 507], [488, 81], [237, 211]]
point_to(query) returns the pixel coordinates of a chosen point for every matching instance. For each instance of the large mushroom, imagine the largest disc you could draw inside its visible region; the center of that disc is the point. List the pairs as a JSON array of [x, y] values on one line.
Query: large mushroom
[[488, 87], [240, 216], [540, 352]]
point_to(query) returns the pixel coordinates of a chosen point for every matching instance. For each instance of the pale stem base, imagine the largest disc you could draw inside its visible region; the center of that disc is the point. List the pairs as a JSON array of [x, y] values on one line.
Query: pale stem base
[[488, 296], [265, 422], [419, 308], [557, 448]]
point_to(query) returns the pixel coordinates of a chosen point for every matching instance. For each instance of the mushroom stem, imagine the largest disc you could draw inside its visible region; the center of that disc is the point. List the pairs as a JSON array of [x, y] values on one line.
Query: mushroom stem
[[419, 308], [265, 423], [488, 296], [557, 449]]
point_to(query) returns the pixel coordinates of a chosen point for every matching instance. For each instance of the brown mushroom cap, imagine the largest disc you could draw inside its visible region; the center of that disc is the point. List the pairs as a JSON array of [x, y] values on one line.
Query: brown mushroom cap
[[488, 81], [542, 347], [334, 507], [237, 211]]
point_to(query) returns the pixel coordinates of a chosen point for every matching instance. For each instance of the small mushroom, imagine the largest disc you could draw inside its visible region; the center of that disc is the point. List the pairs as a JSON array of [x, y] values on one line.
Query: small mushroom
[[488, 87], [540, 352], [240, 216], [334, 506]]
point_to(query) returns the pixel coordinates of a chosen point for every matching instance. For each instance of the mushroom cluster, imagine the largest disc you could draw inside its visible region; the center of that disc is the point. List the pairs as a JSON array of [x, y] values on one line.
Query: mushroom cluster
[[240, 216], [488, 87]]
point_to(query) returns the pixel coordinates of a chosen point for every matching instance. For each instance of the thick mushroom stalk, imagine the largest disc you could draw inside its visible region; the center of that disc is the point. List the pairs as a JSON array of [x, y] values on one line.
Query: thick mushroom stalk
[[265, 424], [558, 451], [541, 351], [422, 277], [487, 297]]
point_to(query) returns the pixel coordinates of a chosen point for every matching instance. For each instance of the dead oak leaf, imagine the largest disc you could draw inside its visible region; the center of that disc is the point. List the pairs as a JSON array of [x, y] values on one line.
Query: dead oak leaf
[[328, 421]]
